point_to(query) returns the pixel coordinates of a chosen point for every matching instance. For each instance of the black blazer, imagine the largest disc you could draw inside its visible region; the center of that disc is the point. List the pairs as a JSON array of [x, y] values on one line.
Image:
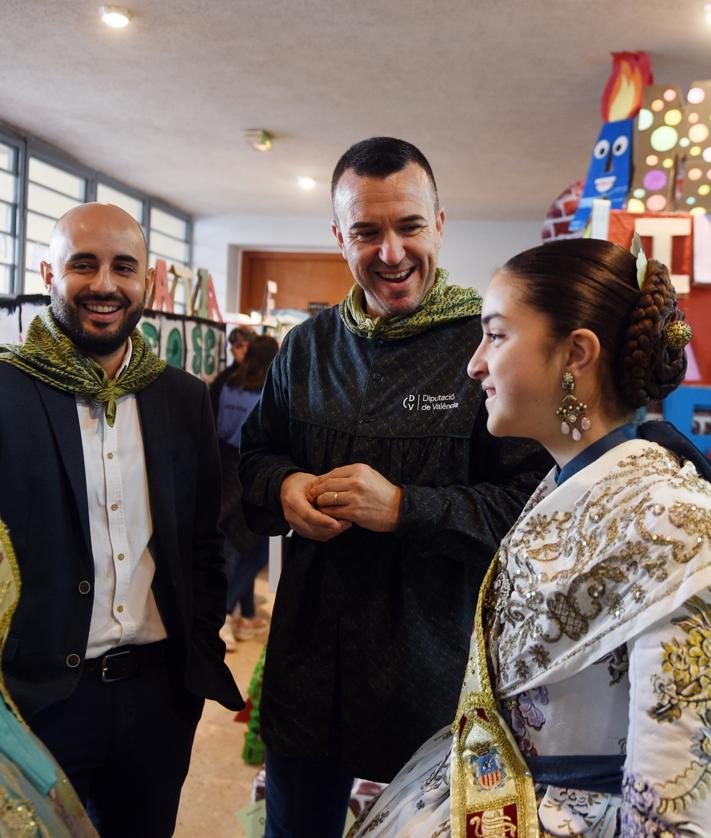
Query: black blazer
[[43, 502]]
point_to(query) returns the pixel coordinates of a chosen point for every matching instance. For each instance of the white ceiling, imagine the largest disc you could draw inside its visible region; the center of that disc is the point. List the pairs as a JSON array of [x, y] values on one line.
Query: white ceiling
[[501, 95]]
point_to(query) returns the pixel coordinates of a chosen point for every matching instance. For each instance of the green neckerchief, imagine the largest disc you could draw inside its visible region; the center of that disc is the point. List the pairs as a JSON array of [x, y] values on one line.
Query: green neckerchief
[[48, 354], [441, 303]]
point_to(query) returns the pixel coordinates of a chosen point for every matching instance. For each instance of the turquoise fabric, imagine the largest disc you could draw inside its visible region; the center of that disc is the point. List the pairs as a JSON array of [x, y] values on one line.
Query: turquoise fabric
[[21, 748]]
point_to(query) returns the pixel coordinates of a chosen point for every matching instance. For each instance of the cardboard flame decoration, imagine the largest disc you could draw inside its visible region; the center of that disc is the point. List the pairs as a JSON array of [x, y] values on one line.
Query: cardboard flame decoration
[[622, 96], [609, 171]]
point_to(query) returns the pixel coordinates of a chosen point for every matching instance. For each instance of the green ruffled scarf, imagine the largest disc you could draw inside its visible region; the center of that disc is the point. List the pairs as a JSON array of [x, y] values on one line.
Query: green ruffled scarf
[[441, 303], [49, 355]]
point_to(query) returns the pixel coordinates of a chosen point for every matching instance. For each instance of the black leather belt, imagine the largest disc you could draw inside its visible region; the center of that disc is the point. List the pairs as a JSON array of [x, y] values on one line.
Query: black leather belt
[[126, 662]]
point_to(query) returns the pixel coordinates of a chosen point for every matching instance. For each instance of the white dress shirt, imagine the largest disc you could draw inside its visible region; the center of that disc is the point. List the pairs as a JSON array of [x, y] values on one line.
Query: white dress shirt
[[121, 527]]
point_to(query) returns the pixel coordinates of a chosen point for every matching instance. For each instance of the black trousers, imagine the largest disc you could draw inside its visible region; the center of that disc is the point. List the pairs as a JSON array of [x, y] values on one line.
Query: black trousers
[[125, 746]]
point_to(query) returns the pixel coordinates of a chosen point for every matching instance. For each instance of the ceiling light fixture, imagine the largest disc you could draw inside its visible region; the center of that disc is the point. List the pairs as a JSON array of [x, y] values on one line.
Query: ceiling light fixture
[[306, 182], [259, 139], [115, 16]]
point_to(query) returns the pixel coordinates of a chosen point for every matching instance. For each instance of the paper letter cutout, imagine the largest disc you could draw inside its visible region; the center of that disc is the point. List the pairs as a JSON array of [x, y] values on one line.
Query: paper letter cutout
[[204, 297], [160, 293], [662, 231], [184, 277]]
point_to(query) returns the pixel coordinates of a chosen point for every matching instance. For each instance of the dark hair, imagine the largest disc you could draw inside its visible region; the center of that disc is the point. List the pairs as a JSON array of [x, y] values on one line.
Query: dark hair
[[592, 284], [379, 157], [240, 334], [250, 374]]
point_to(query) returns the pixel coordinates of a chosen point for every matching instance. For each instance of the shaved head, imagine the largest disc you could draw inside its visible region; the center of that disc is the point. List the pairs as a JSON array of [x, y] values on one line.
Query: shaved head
[[89, 215]]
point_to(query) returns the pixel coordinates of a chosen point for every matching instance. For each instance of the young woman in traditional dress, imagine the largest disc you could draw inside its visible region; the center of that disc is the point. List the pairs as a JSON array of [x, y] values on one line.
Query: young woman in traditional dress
[[586, 703]]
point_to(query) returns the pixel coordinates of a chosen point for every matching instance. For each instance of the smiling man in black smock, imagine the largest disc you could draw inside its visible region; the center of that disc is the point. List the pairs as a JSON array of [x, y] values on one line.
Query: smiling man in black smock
[[370, 442]]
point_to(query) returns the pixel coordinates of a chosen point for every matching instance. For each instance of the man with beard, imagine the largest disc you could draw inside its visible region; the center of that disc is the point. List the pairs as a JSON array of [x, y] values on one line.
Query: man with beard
[[110, 491]]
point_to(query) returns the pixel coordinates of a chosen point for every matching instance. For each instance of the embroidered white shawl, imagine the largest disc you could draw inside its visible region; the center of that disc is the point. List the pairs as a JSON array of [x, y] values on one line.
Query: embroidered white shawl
[[593, 562]]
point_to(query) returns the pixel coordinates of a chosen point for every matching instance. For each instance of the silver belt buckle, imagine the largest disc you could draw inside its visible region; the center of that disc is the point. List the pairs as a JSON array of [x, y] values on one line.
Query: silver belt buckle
[[105, 665]]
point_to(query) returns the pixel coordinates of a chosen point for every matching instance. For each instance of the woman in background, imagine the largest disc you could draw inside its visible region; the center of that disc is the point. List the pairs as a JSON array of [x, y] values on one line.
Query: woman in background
[[245, 553], [586, 703], [238, 340]]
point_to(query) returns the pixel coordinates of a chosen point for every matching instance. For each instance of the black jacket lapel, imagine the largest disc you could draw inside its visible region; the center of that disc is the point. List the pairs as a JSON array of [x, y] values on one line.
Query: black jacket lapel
[[155, 424], [61, 410]]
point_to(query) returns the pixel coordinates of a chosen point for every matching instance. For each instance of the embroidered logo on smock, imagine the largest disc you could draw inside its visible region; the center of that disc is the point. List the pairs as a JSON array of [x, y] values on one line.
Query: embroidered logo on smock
[[428, 401]]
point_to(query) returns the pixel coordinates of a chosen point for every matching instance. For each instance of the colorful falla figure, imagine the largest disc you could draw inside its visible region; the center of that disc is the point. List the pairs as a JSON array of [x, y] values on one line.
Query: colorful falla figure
[[611, 163]]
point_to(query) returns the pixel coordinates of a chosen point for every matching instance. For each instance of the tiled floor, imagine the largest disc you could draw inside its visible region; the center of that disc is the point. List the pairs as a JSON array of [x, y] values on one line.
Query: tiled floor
[[219, 783]]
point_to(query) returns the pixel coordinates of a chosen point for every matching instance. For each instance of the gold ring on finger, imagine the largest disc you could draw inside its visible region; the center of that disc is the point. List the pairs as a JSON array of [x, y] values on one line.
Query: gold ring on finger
[[335, 498]]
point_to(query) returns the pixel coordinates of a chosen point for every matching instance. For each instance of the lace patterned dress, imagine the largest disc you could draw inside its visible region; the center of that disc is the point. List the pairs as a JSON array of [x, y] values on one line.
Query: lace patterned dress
[[598, 639]]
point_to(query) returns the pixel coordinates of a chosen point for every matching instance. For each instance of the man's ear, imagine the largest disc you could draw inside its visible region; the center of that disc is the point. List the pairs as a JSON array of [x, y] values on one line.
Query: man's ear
[[47, 275], [336, 230], [583, 352], [440, 217]]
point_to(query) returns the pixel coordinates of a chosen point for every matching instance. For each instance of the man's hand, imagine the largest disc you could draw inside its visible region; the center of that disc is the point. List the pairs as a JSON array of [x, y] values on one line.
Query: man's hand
[[359, 494], [300, 513]]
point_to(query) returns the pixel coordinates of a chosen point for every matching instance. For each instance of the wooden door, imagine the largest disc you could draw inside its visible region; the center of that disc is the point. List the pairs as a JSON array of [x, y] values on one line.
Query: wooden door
[[303, 279]]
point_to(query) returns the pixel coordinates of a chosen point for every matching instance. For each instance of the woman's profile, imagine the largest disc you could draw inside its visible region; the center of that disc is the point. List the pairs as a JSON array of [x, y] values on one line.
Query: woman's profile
[[586, 703]]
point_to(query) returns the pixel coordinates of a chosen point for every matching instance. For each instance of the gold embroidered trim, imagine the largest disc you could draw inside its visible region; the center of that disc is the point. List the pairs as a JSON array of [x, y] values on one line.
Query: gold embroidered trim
[[480, 733], [9, 597], [620, 552]]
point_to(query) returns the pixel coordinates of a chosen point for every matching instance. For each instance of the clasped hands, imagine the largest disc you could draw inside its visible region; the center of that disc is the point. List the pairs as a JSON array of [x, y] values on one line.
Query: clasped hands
[[322, 507]]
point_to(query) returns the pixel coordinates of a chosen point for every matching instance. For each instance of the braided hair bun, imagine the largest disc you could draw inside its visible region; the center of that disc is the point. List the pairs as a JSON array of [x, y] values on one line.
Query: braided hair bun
[[649, 366]]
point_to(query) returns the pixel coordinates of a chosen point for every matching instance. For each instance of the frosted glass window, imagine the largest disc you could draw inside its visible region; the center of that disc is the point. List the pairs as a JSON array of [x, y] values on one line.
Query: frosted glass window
[[7, 249], [7, 217], [170, 249], [33, 283], [39, 227], [35, 252], [57, 179], [9, 191], [108, 195], [171, 225], [7, 158], [47, 202], [6, 274], [7, 187]]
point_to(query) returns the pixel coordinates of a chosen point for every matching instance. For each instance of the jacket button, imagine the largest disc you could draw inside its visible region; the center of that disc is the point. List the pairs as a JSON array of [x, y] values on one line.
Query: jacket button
[[73, 660], [84, 587], [377, 376]]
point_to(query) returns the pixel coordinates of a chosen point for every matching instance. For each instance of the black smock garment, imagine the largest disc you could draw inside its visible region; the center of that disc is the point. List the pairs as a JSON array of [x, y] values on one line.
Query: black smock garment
[[370, 631]]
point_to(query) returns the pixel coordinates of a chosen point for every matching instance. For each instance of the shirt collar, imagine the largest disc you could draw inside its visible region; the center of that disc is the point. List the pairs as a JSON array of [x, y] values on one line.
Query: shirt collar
[[126, 359], [597, 449]]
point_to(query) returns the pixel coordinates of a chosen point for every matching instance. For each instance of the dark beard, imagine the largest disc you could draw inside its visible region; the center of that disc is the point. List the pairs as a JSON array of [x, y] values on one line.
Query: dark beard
[[67, 317]]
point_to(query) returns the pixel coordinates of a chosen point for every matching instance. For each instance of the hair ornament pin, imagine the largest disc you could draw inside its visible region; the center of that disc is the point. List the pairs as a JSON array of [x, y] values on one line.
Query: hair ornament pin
[[678, 334], [638, 252]]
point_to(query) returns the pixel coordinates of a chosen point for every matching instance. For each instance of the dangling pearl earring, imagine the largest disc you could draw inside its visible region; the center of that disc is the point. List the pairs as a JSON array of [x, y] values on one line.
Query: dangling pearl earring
[[571, 410]]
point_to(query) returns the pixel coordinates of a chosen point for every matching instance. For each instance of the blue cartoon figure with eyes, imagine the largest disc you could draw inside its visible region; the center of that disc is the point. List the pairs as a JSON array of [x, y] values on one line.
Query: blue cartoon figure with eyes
[[611, 163], [609, 172]]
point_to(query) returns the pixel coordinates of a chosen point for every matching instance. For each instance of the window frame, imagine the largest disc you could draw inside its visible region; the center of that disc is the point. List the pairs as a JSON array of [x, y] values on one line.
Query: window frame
[[11, 138], [27, 147], [155, 203]]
